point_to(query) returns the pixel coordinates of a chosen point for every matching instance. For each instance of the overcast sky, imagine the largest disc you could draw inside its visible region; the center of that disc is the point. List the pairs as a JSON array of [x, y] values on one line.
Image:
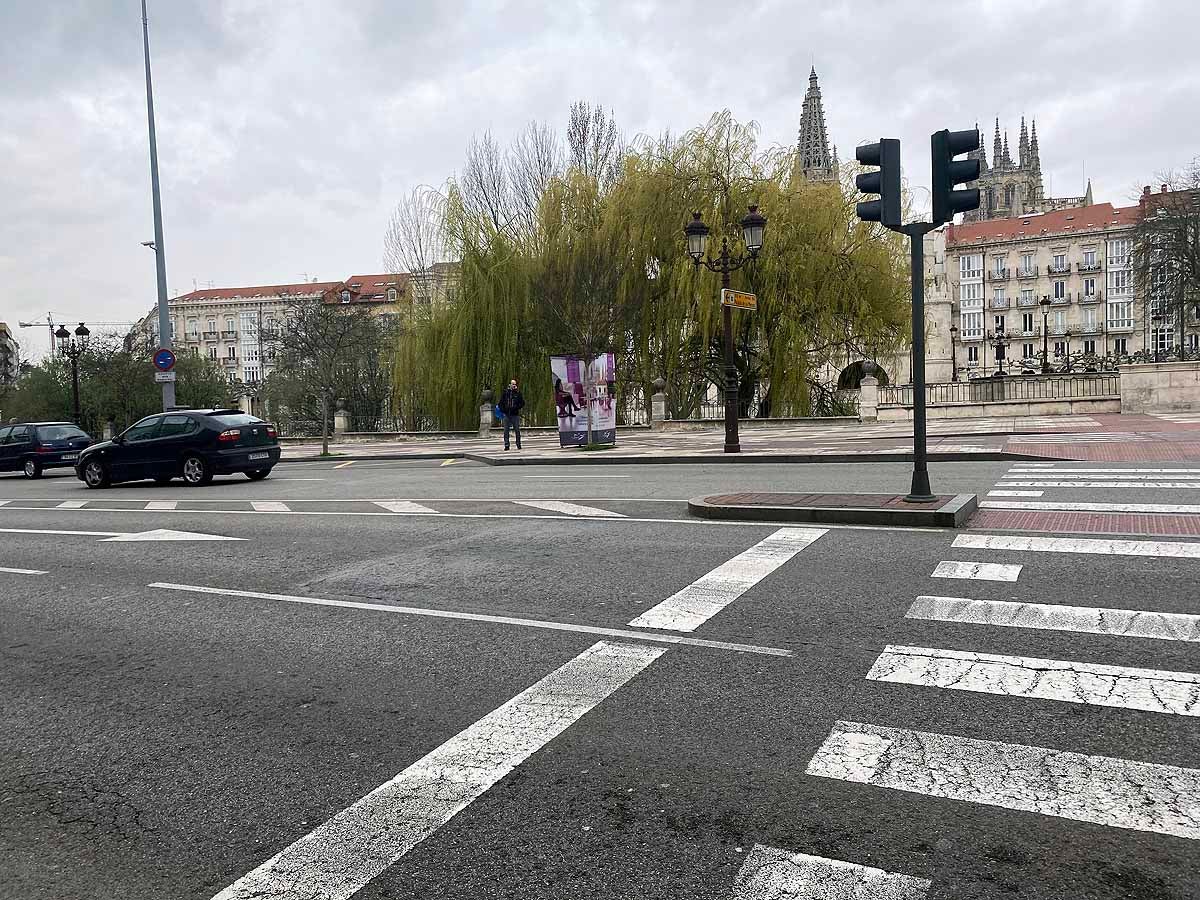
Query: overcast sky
[[288, 129]]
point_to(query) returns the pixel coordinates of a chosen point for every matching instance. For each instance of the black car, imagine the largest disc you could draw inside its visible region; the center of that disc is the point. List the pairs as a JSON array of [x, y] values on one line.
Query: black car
[[34, 446], [192, 444]]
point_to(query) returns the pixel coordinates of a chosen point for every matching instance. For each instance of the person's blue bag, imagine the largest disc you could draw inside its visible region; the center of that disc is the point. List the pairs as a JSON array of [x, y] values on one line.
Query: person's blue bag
[[499, 414]]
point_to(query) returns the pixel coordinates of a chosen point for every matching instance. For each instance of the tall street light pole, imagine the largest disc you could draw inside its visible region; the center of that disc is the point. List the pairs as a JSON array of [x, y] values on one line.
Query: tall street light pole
[[953, 353], [1044, 303], [753, 226], [160, 253], [72, 349]]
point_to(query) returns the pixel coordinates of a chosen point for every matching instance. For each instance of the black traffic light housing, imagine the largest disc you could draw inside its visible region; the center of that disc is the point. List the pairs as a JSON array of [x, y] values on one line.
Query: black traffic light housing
[[885, 182], [948, 172]]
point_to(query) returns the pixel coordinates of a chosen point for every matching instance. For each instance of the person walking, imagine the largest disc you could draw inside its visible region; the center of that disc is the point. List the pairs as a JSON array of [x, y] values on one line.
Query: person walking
[[511, 404]]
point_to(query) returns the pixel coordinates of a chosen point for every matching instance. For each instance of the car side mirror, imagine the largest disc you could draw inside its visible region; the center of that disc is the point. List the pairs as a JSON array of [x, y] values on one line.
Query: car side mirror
[[118, 439]]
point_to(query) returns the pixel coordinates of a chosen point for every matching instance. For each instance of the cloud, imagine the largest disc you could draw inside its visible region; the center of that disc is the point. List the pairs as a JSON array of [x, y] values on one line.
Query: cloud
[[288, 130]]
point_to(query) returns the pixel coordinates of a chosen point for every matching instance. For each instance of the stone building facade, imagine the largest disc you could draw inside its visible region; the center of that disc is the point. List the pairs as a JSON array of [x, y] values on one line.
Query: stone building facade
[[10, 355]]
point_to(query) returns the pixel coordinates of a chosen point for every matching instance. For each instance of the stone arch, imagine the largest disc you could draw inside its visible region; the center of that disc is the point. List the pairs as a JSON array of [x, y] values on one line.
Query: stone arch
[[850, 378]]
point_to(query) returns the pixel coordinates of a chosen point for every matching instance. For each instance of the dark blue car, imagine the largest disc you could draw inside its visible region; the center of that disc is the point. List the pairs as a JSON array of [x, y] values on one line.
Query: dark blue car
[[32, 447]]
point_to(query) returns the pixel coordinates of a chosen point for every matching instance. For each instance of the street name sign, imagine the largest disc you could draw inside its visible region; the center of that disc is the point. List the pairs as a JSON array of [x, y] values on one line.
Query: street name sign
[[738, 299], [164, 361]]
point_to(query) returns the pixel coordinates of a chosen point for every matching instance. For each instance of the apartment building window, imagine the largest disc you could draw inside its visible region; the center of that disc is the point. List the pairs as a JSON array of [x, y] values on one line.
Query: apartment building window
[[1027, 296], [1026, 262], [231, 352], [1027, 351], [973, 354], [1060, 261], [1089, 347], [195, 351], [229, 326], [1089, 318], [1060, 348], [1027, 322], [1121, 346], [391, 295], [999, 262], [970, 266], [998, 296], [193, 327], [1193, 342], [1089, 287], [212, 352], [212, 326], [1060, 321], [971, 295], [1118, 282], [1089, 259], [172, 329], [1060, 290], [999, 324], [1163, 339], [1118, 252], [1120, 314], [972, 325]]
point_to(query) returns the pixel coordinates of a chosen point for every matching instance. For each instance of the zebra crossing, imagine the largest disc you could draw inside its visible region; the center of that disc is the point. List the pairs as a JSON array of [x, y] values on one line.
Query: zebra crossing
[[1054, 778]]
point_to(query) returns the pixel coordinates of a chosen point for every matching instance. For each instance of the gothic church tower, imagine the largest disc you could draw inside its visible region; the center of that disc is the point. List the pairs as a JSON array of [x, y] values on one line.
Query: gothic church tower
[[815, 161]]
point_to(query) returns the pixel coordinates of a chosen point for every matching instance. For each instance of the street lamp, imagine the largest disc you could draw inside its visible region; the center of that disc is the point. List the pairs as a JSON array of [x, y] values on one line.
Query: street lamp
[[1044, 303], [753, 226], [1156, 319], [953, 354], [72, 349], [1068, 337], [999, 342]]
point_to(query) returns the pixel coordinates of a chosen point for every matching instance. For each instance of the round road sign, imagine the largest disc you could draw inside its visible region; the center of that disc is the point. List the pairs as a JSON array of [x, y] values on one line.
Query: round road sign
[[164, 360]]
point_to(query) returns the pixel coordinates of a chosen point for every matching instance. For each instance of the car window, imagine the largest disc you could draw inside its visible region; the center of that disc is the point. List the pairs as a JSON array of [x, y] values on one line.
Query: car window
[[60, 433], [19, 435], [233, 420], [176, 426], [143, 431], [4, 433]]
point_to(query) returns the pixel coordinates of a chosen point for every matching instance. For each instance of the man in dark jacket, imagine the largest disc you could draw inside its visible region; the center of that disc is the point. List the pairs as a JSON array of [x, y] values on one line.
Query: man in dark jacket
[[511, 404]]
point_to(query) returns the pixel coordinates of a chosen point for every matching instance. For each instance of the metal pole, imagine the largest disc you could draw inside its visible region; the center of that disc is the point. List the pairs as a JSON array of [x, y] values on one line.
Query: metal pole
[[75, 380], [920, 492], [160, 253], [732, 444], [1045, 341]]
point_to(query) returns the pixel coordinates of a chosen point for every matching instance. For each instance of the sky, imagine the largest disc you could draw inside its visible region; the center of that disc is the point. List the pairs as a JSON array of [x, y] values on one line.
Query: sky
[[289, 129]]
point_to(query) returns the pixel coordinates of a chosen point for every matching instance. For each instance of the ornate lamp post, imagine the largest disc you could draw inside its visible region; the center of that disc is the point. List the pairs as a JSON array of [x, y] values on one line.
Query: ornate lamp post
[[953, 354], [753, 226], [999, 341], [1068, 337], [1156, 320], [72, 349], [1044, 303]]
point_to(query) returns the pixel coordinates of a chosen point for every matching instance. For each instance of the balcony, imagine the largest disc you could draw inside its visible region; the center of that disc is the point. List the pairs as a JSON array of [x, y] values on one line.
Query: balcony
[[192, 338], [1028, 333], [1000, 303], [1064, 300], [229, 335], [1091, 298], [1064, 269], [210, 335], [230, 361], [1027, 301], [1087, 267], [1028, 273], [1085, 328], [999, 275]]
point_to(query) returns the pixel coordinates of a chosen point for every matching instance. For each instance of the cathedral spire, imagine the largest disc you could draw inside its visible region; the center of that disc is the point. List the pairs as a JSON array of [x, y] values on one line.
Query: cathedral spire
[[814, 159], [1023, 147], [1035, 161], [979, 154], [997, 154], [1007, 156]]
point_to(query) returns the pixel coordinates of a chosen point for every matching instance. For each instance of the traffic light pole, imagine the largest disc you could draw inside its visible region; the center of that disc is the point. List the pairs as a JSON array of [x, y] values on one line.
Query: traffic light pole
[[920, 492]]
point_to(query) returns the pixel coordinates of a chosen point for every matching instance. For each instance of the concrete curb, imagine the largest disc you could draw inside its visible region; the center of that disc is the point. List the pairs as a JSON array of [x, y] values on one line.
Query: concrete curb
[[953, 514], [592, 459]]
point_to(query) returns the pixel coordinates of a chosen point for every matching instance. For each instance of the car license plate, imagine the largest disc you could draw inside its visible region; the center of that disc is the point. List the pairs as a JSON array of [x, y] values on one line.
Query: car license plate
[[67, 456], [259, 456]]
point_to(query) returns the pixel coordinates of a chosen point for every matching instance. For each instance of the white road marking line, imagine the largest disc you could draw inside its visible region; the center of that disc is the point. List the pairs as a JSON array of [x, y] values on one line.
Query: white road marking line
[[576, 476], [570, 509], [981, 571], [404, 506], [269, 506], [1141, 485], [1071, 506], [343, 854], [1129, 472], [72, 504], [9, 571], [623, 633], [1014, 493], [166, 534], [345, 464], [161, 505], [1030, 544], [1052, 617], [1092, 684], [55, 531], [1104, 476], [2, 502], [691, 607], [770, 873], [452, 462], [233, 498], [1103, 790]]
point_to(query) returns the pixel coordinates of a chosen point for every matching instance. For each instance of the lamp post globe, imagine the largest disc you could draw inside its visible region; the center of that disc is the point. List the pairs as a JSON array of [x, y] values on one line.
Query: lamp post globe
[[753, 226], [82, 333], [697, 238]]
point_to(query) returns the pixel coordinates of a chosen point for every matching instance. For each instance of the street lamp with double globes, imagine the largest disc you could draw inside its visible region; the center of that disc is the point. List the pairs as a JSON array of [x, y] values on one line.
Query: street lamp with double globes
[[72, 348], [1044, 303], [753, 226]]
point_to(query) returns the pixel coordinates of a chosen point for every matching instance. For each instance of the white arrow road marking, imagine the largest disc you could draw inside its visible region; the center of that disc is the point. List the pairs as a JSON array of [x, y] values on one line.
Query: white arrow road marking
[[981, 571], [269, 506], [570, 509], [1167, 549], [404, 506], [1092, 684], [1051, 617], [165, 534], [22, 571], [1118, 793], [691, 607], [342, 855], [770, 873], [481, 617]]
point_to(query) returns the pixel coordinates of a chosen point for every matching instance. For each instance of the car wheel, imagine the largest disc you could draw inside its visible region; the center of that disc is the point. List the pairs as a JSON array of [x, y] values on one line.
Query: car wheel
[[95, 475], [258, 474], [196, 471], [33, 469]]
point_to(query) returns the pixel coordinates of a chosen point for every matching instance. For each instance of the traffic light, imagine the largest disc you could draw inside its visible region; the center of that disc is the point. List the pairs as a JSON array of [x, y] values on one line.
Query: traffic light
[[885, 182], [948, 172]]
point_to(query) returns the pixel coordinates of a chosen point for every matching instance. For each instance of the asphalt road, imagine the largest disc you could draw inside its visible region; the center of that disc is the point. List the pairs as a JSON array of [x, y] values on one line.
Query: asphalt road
[[166, 741]]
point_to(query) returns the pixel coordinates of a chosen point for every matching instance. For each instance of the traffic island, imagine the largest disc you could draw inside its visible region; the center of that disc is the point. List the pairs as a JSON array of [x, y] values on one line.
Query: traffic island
[[945, 511]]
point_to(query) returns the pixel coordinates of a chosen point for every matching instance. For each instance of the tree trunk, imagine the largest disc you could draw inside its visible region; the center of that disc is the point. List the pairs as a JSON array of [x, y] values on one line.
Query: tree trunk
[[324, 424]]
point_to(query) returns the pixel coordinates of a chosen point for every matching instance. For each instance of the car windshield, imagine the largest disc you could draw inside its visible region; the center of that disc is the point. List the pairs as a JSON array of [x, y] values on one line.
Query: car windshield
[[232, 420], [60, 433]]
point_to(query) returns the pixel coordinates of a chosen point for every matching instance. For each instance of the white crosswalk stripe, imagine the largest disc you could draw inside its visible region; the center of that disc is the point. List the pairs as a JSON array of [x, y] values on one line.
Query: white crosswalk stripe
[[1102, 485], [1003, 493], [161, 505], [269, 506], [977, 570], [72, 504], [1105, 546], [402, 506], [1102, 473], [1053, 617], [1073, 506], [770, 873], [570, 509], [1092, 684], [1104, 790]]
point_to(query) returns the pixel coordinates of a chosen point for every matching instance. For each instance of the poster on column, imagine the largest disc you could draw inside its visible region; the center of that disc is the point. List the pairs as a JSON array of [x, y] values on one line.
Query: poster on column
[[584, 392]]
